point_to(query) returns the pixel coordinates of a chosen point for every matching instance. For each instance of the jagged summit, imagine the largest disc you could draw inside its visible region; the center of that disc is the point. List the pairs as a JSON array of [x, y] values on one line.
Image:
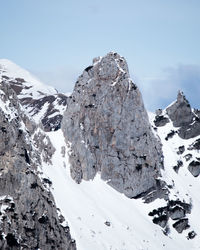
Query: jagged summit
[[111, 66], [181, 97], [183, 117], [180, 111]]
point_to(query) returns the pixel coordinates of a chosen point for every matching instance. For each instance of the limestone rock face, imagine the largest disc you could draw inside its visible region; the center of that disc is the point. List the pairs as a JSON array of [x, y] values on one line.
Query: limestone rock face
[[182, 116], [28, 215], [108, 129]]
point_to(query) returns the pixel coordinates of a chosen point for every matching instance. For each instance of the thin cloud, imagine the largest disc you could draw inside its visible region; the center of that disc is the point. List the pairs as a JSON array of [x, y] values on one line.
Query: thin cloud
[[160, 92]]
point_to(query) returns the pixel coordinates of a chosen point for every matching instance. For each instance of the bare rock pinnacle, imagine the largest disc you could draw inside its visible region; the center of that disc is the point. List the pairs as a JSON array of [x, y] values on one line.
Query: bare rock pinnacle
[[108, 129]]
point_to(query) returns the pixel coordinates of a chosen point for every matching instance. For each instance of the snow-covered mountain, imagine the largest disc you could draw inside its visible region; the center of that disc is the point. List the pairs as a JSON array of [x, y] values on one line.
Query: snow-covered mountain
[[43, 103], [122, 179]]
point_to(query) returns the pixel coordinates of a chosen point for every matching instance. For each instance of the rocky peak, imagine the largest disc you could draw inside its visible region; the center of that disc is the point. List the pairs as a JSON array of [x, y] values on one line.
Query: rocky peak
[[181, 97], [108, 129], [185, 120], [183, 117], [180, 111]]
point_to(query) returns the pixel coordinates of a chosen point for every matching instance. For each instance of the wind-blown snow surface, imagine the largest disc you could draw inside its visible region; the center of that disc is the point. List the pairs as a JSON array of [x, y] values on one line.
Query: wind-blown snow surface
[[87, 206]]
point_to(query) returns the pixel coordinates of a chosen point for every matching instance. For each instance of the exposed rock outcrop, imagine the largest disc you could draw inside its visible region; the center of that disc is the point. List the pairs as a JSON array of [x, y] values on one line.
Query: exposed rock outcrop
[[160, 121], [41, 102], [182, 116], [175, 210], [53, 107], [28, 215], [181, 225], [194, 168], [109, 132], [180, 111]]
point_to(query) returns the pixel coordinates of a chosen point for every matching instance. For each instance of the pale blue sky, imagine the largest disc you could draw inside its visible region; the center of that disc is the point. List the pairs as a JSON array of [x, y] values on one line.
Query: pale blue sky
[[57, 39]]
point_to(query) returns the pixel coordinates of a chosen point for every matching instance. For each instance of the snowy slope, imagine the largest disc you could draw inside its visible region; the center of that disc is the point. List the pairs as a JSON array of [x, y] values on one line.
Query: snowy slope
[[42, 102], [87, 206], [34, 89]]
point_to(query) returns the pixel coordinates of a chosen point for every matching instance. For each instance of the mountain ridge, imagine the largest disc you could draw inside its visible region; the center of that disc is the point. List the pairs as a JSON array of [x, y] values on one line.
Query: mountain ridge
[[43, 103]]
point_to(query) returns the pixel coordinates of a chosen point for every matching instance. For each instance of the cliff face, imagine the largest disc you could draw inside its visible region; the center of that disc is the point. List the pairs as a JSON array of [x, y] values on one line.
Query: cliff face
[[28, 215], [108, 130]]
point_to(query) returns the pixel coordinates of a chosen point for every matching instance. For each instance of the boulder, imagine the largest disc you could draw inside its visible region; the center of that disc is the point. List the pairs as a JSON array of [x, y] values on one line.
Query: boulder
[[194, 168]]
